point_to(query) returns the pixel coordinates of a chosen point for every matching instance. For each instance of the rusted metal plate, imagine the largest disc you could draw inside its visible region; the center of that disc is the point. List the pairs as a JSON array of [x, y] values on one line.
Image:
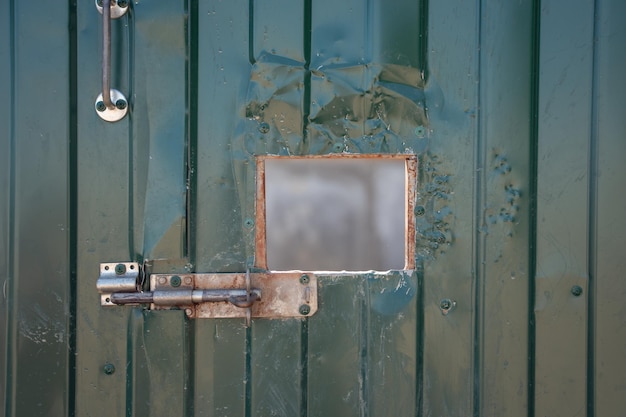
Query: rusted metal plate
[[283, 294]]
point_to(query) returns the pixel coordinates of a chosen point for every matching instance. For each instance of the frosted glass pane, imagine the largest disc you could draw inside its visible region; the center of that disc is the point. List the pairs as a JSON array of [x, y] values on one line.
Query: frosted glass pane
[[335, 214]]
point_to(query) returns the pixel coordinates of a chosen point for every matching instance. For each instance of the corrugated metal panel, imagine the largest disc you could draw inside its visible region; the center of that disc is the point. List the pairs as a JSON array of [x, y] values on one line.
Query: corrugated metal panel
[[35, 247], [519, 175], [564, 242], [607, 173]]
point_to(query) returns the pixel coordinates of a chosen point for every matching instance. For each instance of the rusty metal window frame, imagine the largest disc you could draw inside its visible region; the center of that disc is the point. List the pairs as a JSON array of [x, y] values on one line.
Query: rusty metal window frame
[[410, 201]]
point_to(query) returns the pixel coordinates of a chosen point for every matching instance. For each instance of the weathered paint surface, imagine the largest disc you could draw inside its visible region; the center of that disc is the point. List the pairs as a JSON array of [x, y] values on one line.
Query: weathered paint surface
[[514, 110]]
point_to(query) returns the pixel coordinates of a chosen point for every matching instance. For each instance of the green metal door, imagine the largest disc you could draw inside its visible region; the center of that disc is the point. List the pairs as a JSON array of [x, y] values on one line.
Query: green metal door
[[511, 303], [175, 187]]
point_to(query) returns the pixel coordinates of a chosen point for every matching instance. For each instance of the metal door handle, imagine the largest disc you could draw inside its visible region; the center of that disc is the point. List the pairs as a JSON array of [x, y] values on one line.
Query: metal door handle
[[111, 105]]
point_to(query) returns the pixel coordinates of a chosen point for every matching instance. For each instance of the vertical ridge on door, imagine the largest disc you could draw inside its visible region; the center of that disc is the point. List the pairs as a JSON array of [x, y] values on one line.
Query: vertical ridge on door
[[223, 69], [563, 172], [447, 185], [503, 201], [609, 288]]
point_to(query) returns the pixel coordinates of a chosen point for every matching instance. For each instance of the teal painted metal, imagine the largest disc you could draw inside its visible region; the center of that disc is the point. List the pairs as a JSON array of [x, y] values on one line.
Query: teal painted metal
[[514, 109]]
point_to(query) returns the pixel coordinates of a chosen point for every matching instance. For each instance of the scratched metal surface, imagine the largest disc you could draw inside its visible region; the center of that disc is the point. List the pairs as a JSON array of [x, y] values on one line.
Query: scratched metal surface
[[514, 109]]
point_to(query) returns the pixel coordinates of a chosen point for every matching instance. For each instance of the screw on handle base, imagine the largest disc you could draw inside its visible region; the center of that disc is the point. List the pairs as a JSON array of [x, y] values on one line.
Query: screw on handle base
[[115, 114], [118, 8]]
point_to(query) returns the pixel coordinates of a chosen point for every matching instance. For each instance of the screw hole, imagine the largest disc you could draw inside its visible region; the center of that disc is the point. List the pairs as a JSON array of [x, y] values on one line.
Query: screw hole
[[577, 290]]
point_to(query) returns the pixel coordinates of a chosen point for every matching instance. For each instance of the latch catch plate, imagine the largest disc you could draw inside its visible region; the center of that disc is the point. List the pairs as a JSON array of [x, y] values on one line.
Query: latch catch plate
[[116, 278]]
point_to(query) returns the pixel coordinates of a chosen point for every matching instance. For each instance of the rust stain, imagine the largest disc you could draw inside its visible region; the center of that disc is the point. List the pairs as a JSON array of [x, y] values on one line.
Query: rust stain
[[341, 156], [411, 193], [260, 238]]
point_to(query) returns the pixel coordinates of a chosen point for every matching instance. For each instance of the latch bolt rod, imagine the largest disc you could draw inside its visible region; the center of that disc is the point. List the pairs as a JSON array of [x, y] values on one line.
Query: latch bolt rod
[[237, 297]]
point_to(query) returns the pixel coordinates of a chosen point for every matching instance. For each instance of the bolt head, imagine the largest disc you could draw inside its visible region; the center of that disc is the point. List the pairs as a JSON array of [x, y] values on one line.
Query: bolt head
[[304, 309], [264, 128], [175, 281], [120, 269], [122, 3], [121, 104], [188, 312], [577, 290], [420, 210], [304, 279], [108, 368], [100, 106], [446, 306]]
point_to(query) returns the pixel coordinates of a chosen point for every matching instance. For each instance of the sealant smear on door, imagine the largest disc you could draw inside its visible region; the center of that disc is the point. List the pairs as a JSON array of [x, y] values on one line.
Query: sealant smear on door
[[367, 108]]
